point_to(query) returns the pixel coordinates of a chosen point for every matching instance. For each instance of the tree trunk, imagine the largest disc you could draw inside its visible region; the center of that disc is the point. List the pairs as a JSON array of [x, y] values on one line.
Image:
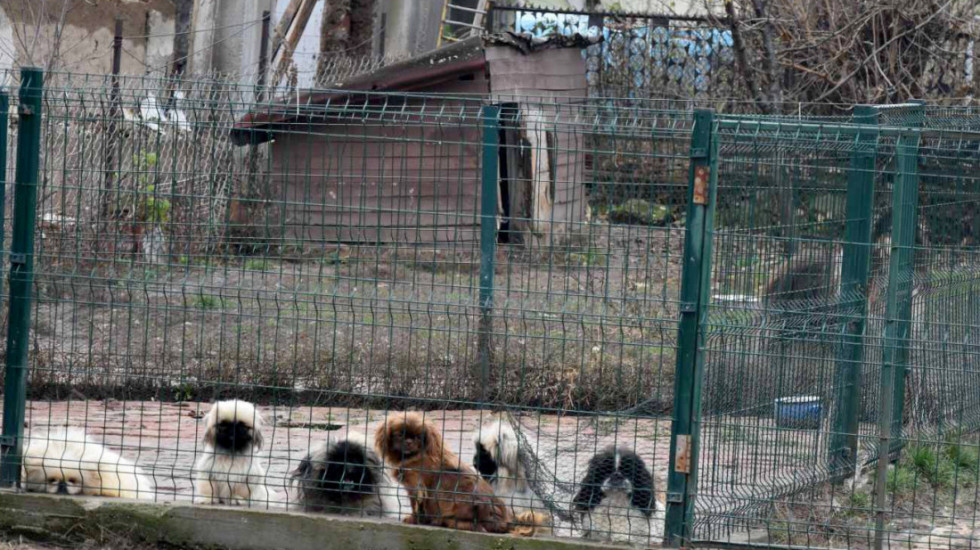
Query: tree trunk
[[741, 60], [183, 10], [769, 64], [346, 32]]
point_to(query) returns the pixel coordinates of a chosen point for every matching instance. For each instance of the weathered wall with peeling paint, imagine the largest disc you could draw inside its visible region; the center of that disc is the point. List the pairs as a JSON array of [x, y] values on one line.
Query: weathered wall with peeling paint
[[84, 43]]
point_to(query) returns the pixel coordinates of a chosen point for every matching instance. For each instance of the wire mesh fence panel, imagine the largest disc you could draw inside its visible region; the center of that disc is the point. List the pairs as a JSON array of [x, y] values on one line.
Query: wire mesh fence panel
[[772, 332], [464, 313], [231, 300], [841, 317]]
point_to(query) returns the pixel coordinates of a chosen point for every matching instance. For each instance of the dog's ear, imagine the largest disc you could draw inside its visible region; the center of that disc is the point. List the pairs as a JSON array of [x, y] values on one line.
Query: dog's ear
[[380, 440], [590, 495], [209, 435], [642, 480], [210, 424], [431, 437], [92, 482], [257, 438], [258, 427], [304, 471], [507, 447]]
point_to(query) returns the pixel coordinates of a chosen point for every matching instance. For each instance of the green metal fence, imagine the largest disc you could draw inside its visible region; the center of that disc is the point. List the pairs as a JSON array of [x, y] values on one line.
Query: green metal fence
[[351, 256], [844, 275], [755, 306]]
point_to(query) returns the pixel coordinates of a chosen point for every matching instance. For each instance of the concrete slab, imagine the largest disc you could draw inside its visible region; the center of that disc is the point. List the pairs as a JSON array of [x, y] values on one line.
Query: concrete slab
[[66, 519]]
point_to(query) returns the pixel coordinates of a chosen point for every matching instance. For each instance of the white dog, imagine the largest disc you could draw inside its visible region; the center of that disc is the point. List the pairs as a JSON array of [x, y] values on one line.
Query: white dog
[[68, 462], [229, 472]]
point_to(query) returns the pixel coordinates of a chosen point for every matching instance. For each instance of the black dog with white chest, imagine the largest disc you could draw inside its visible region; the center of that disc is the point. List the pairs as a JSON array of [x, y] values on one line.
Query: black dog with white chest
[[616, 499]]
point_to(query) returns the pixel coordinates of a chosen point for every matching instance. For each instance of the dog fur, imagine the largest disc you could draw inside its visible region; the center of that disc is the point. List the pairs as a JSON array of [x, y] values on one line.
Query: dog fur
[[443, 491], [229, 471], [344, 475], [69, 462], [497, 458], [616, 499]]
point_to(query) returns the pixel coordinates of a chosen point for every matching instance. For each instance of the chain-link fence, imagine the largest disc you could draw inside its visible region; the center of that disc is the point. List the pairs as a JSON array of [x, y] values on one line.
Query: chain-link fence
[[628, 318]]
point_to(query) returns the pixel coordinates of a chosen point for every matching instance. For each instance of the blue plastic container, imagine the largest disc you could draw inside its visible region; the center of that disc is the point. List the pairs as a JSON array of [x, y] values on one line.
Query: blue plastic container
[[802, 412]]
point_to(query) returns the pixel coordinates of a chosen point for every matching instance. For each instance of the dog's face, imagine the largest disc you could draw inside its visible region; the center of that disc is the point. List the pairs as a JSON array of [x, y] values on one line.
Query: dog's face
[[406, 443], [233, 436], [53, 479], [484, 462], [346, 472], [407, 436], [617, 483], [56, 463], [233, 427]]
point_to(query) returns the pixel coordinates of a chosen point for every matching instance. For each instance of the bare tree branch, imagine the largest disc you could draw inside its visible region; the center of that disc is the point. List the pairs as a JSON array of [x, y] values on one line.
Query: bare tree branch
[[741, 59]]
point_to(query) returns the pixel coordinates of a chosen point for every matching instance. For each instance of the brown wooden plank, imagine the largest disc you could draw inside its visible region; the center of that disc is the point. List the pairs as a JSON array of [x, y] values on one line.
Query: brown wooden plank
[[344, 188], [283, 26]]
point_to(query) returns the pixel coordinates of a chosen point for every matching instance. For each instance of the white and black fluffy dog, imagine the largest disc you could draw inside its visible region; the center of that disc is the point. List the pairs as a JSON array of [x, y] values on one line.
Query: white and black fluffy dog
[[343, 475], [498, 459], [616, 499], [229, 471], [68, 462]]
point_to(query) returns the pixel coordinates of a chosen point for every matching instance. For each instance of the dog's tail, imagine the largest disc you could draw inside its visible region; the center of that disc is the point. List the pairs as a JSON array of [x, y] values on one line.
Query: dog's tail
[[528, 524]]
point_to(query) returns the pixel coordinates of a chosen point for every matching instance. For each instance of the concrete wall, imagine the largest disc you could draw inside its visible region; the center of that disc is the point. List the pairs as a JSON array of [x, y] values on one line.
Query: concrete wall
[[84, 43], [114, 523], [227, 36]]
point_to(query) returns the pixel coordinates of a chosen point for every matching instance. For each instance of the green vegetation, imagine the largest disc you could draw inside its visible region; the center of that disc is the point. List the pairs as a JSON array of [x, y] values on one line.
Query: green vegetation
[[257, 264], [639, 211], [205, 301]]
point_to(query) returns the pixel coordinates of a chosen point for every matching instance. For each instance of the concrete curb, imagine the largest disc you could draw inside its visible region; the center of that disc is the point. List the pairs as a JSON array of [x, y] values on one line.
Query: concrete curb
[[65, 519]]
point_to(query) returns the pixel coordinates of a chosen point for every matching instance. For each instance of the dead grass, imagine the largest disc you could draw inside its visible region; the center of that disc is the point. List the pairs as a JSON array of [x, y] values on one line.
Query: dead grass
[[571, 327], [42, 540]]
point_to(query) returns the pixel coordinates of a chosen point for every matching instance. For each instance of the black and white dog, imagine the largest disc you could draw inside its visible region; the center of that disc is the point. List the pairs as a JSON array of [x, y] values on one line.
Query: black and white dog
[[343, 475], [498, 459], [616, 499]]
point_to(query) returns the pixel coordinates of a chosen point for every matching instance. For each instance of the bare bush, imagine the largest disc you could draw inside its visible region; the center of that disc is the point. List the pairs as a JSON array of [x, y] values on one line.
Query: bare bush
[[842, 51]]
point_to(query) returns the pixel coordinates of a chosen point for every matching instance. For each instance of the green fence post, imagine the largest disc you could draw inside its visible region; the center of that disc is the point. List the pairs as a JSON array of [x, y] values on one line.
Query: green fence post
[[855, 267], [695, 284], [488, 241], [4, 115], [21, 274], [898, 313], [905, 229]]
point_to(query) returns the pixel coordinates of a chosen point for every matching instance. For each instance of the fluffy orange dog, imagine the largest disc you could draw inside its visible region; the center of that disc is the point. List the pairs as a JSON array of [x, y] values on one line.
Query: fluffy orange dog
[[444, 491]]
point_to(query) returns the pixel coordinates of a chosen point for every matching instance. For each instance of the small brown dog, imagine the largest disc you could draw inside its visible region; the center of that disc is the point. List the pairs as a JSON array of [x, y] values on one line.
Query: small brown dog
[[444, 491]]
